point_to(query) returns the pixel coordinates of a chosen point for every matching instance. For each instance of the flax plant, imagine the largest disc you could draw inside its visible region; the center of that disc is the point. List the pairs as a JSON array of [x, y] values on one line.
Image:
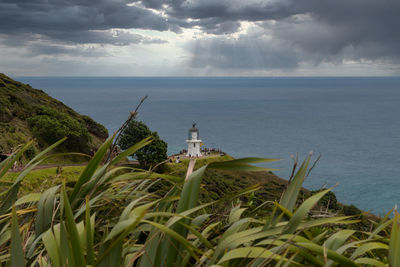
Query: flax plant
[[113, 217]]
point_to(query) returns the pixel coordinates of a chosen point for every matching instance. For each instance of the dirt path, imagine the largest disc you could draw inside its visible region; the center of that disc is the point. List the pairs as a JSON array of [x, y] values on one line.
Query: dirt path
[[47, 166]]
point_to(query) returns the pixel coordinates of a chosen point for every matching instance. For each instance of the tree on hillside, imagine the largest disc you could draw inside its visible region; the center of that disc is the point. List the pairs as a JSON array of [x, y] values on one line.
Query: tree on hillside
[[149, 155], [50, 125]]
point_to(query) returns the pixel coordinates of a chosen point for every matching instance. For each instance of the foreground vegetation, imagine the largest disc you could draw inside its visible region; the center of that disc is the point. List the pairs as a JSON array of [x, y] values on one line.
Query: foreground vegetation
[[120, 216]]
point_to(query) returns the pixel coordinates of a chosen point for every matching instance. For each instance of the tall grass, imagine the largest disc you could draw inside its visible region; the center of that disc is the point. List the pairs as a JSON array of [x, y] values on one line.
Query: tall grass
[[112, 217]]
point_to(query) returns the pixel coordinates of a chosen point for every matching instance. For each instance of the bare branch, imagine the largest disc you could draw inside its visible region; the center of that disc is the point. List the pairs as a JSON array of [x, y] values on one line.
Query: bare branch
[[314, 164], [132, 116]]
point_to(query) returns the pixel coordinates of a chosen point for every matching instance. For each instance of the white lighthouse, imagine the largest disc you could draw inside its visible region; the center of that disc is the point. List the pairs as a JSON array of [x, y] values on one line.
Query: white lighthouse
[[193, 142]]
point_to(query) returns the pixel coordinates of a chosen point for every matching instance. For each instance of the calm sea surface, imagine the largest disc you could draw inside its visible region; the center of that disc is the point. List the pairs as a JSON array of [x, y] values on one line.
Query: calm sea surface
[[352, 122]]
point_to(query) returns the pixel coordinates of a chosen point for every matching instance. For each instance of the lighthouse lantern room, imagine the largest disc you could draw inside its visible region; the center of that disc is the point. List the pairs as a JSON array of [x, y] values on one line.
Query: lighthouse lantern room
[[193, 142]]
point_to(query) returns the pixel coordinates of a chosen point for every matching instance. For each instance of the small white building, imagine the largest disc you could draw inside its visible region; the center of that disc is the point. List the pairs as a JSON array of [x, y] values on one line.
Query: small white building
[[193, 142]]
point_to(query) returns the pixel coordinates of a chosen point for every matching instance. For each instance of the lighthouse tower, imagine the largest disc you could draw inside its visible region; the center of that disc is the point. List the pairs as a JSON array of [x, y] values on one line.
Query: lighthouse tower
[[193, 142]]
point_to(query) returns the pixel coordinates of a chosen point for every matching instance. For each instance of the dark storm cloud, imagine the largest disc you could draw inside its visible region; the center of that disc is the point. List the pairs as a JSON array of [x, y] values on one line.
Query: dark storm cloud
[[314, 30], [61, 19], [46, 17], [77, 21], [223, 16], [368, 28], [290, 32], [229, 10]]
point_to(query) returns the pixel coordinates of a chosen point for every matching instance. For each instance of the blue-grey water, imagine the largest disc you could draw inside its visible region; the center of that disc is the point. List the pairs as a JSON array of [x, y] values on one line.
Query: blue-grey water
[[352, 122]]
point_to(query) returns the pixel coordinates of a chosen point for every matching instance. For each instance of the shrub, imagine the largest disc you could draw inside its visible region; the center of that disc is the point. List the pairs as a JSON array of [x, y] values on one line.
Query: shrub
[[350, 210], [149, 155], [329, 201], [30, 153], [51, 125], [95, 128]]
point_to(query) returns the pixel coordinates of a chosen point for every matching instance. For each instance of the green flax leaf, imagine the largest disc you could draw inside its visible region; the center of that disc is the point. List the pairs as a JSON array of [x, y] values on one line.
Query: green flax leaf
[[17, 253]]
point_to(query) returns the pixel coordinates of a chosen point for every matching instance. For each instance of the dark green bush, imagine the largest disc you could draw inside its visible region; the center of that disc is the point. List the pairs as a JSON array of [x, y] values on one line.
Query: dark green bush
[[95, 128], [329, 201], [30, 153], [350, 210], [149, 155], [49, 126]]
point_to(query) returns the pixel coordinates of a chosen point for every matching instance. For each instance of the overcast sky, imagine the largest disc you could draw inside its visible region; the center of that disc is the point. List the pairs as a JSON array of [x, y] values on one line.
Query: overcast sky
[[200, 37]]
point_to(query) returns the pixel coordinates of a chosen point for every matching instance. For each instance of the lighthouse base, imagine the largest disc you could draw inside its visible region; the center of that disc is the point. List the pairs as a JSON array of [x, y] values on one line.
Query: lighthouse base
[[194, 155], [193, 149]]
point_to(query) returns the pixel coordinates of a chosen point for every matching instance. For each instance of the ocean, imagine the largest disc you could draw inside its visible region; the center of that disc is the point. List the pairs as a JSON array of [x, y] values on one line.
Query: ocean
[[352, 122]]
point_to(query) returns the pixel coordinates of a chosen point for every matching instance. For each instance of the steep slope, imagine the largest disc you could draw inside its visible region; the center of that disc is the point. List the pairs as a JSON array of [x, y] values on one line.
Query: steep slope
[[27, 113]]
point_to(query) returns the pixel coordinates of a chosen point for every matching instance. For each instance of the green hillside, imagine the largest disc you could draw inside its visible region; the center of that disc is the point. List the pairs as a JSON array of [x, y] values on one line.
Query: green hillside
[[27, 113]]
